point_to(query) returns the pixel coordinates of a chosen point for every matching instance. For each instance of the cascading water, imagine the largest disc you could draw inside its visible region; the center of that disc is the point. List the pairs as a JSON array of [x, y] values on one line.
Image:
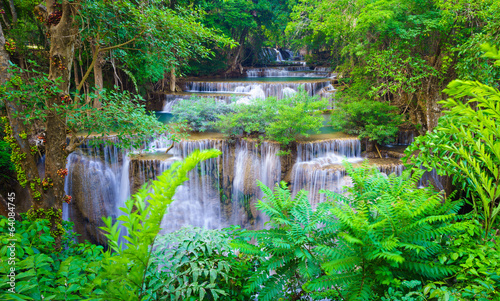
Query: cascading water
[[279, 57], [286, 72], [98, 183], [319, 166], [270, 88], [223, 190], [252, 163]]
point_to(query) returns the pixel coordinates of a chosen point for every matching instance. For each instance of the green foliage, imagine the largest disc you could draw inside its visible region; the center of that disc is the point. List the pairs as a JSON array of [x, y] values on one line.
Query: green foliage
[[248, 118], [201, 113], [282, 120], [407, 291], [121, 112], [162, 37], [296, 115], [39, 271], [374, 120], [466, 144], [408, 50], [198, 264], [6, 166], [288, 250], [478, 277], [126, 264], [386, 230]]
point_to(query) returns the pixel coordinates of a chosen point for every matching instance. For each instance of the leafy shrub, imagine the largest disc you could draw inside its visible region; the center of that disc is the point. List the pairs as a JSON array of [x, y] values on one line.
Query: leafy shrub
[[297, 115], [200, 113], [282, 120], [6, 166], [407, 291], [478, 263], [247, 118], [199, 264], [354, 246], [39, 271], [374, 120]]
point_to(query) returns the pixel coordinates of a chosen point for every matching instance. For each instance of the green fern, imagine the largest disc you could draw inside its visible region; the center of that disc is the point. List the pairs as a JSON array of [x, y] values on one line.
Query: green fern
[[288, 256], [388, 230]]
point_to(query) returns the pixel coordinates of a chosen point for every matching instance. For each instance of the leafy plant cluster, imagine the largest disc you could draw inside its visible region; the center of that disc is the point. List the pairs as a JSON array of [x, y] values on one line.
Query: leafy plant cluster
[[40, 273], [466, 144], [282, 120], [405, 51], [373, 120], [200, 264], [200, 113]]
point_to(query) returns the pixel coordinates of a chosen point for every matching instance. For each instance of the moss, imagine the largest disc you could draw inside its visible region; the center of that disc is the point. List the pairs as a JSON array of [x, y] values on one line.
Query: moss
[[16, 156]]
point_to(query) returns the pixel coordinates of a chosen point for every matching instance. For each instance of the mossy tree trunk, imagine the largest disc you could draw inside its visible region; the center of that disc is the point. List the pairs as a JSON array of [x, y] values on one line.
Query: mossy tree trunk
[[47, 202]]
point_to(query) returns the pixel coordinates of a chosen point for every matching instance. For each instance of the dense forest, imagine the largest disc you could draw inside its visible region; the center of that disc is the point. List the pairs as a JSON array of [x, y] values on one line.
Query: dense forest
[[313, 91]]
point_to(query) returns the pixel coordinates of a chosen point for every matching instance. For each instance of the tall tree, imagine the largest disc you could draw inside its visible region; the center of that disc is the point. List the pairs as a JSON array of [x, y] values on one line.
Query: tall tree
[[44, 112]]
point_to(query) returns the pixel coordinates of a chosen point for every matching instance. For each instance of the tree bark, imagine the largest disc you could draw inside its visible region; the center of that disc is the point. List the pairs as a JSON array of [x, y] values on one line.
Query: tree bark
[[98, 78], [62, 46], [237, 54], [172, 79], [13, 12], [4, 58]]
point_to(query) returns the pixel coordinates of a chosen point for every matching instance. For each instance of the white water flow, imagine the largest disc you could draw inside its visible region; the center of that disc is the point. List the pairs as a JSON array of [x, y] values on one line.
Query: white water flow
[[319, 166], [252, 163], [279, 57], [269, 88], [286, 72], [97, 183]]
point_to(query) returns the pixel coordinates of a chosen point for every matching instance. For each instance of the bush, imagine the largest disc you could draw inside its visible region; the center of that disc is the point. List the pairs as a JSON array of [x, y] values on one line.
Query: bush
[[200, 113], [282, 120], [200, 264], [247, 118], [41, 271], [466, 144], [387, 231], [376, 121]]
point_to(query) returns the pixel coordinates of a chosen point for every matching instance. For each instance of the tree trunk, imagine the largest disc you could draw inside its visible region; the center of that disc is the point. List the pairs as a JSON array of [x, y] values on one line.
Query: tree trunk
[[172, 79], [28, 164], [14, 12], [4, 58], [98, 79], [62, 46], [238, 52]]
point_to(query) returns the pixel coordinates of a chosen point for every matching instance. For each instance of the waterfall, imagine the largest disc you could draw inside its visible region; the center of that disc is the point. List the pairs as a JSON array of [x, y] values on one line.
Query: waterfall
[[270, 88], [286, 72], [288, 92], [405, 137], [252, 162], [167, 107], [348, 147], [319, 166], [328, 92], [279, 57], [198, 201], [98, 183], [94, 187]]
